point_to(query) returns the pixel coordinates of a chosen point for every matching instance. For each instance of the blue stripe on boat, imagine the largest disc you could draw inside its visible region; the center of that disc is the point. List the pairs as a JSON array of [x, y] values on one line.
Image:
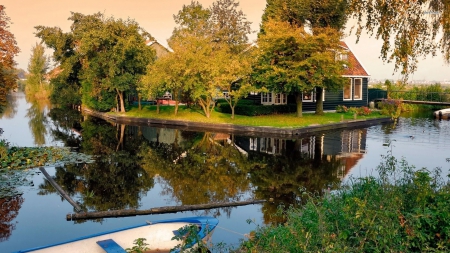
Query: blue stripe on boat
[[110, 246]]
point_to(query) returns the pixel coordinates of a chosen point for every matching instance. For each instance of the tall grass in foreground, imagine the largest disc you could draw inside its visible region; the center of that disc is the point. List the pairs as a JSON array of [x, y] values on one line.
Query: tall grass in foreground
[[403, 210]]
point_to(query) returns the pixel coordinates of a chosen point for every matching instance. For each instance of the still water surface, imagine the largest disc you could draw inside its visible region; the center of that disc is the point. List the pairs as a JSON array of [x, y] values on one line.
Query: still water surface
[[145, 167]]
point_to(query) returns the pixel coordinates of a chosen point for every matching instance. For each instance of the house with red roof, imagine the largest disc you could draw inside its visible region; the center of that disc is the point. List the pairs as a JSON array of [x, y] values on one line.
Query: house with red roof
[[353, 94]]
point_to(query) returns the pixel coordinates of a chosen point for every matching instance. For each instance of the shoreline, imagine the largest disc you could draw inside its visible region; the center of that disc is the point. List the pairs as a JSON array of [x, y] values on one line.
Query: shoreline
[[236, 129]]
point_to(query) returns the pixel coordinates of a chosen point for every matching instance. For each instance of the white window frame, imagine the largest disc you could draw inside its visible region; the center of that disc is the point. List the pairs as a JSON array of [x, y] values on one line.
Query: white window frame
[[280, 98], [351, 91], [311, 95], [360, 89], [266, 98], [271, 98]]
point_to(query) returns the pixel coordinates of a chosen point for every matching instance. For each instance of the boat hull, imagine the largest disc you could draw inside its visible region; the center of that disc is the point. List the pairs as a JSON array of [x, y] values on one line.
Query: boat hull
[[158, 235]]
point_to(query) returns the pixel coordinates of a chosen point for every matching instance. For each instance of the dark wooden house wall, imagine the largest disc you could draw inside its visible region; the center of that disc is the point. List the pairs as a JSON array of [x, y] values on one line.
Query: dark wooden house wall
[[335, 98]]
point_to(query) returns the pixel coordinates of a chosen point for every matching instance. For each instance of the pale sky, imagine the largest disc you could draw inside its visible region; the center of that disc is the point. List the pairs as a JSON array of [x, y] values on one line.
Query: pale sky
[[156, 16]]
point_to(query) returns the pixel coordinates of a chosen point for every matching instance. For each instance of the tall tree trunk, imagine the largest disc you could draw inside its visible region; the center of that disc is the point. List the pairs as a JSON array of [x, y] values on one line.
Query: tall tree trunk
[[139, 102], [232, 112], [175, 97], [157, 106], [319, 101], [205, 107], [299, 102], [122, 104]]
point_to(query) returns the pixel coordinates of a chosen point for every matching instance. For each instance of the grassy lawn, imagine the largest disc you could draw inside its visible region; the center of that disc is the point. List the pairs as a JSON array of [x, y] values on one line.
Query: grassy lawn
[[279, 120]]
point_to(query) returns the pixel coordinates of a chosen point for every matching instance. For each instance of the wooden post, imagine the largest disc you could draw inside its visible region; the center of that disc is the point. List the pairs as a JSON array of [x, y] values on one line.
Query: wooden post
[[60, 190], [156, 210]]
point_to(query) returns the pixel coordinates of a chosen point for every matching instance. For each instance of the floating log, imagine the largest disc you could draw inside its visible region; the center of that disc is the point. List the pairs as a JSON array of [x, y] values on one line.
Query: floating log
[[156, 210], [60, 190]]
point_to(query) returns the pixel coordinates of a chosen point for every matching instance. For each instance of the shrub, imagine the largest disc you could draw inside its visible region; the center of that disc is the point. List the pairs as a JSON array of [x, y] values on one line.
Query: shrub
[[341, 108], [391, 107], [364, 110], [403, 210]]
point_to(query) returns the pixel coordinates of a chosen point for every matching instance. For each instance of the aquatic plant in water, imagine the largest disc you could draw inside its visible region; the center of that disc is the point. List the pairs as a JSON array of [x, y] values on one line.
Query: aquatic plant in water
[[15, 163]]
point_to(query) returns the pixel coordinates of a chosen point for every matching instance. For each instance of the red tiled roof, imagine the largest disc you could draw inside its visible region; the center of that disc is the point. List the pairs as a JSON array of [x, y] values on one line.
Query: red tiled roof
[[355, 68]]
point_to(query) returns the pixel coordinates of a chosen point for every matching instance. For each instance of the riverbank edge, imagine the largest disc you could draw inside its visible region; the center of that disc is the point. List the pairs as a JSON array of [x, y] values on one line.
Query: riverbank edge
[[235, 129]]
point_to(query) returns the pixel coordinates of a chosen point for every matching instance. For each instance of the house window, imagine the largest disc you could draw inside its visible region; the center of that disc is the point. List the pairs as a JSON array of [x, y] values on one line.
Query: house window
[[342, 57], [358, 89], [273, 98], [348, 90], [280, 98], [266, 98], [307, 96]]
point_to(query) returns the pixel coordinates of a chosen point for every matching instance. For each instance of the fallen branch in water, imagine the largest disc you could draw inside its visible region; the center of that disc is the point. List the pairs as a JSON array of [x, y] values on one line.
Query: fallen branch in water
[[156, 210], [60, 190]]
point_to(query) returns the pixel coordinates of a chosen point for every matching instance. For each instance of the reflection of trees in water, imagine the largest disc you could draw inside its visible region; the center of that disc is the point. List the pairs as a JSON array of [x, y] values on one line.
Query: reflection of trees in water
[[284, 178], [10, 109], [9, 209], [67, 127], [115, 180], [206, 172], [37, 119]]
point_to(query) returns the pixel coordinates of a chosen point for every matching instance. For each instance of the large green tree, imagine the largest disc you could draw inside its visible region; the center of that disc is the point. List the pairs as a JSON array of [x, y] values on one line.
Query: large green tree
[[319, 18], [38, 65], [108, 56], [65, 82], [294, 61], [208, 42], [8, 49]]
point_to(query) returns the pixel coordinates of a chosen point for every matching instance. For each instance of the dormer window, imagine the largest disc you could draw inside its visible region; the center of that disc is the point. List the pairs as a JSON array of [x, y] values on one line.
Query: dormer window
[[342, 56]]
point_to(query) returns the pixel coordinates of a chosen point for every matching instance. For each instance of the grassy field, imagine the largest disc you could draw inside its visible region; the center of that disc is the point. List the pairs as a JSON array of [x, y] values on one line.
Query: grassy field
[[279, 120]]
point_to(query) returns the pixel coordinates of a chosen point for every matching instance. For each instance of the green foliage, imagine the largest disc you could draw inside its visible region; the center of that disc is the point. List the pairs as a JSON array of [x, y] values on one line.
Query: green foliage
[[315, 12], [207, 55], [341, 109], [36, 85], [292, 61], [433, 92], [363, 110], [102, 101], [189, 237], [408, 29], [109, 55], [20, 158], [15, 161], [391, 107], [66, 80], [140, 246], [8, 50], [404, 210]]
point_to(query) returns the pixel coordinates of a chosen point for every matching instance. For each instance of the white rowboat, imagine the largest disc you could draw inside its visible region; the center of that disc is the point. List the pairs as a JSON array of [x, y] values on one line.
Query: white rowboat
[[158, 235]]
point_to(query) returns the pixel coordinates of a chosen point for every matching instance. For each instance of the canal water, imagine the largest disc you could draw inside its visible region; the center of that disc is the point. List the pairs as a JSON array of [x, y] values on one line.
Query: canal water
[[144, 167]]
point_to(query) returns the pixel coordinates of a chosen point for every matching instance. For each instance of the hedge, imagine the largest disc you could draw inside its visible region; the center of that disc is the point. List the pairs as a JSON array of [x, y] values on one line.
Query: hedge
[[250, 109]]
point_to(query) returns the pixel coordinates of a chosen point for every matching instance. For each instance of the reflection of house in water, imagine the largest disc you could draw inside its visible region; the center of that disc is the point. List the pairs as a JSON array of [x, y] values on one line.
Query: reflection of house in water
[[347, 146], [267, 145], [154, 134]]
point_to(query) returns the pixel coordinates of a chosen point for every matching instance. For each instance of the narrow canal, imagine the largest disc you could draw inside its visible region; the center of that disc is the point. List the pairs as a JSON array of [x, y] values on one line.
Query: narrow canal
[[144, 167]]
